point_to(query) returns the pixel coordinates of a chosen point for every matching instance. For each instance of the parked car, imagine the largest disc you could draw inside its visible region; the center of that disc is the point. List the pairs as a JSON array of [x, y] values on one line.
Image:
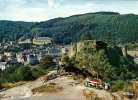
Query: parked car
[[93, 83], [128, 94]]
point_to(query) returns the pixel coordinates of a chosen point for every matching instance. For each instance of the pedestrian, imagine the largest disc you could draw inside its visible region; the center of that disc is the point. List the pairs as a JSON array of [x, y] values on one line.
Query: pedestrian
[[87, 81], [109, 86], [57, 68], [106, 86]]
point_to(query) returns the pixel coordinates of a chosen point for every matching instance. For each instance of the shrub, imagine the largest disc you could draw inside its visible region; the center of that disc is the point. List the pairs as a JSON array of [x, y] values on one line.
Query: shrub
[[24, 73], [118, 85], [37, 72], [90, 95], [48, 88]]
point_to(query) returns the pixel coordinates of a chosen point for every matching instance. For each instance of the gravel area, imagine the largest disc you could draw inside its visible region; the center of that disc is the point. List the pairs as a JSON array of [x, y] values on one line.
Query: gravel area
[[72, 90]]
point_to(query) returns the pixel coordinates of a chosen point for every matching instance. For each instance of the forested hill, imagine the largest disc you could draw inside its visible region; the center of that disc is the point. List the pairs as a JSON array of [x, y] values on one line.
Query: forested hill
[[123, 28], [14, 30]]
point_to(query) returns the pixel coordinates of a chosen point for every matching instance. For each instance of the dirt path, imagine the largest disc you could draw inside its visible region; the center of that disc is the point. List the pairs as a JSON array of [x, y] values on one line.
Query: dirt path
[[70, 91], [117, 96]]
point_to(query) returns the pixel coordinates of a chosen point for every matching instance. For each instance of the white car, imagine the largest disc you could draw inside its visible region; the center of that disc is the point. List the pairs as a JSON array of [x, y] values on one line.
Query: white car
[[128, 94]]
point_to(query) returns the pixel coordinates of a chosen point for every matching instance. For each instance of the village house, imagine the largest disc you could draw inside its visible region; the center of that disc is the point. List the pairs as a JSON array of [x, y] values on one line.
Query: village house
[[32, 59], [65, 50], [2, 57], [4, 65], [54, 52], [26, 41], [34, 56], [10, 55], [12, 42], [42, 40], [39, 57], [21, 57]]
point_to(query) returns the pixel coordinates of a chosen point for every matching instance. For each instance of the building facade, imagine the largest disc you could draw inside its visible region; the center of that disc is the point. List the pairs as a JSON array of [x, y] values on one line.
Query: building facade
[[42, 40]]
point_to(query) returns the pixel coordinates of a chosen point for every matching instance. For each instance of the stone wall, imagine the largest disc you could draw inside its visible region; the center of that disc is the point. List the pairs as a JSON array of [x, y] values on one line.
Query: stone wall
[[72, 50], [76, 47]]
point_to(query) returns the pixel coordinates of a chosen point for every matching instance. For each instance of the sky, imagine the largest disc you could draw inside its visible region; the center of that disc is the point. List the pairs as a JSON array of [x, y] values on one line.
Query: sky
[[42, 10]]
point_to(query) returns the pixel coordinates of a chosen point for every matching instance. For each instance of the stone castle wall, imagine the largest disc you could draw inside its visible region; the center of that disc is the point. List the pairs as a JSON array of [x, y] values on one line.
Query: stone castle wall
[[76, 47], [72, 50]]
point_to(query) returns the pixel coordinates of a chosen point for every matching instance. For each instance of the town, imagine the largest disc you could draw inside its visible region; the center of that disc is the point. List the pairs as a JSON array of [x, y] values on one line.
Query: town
[[29, 56]]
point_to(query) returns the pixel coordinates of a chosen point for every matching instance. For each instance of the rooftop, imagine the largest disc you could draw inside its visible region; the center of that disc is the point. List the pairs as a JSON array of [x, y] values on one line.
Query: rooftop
[[42, 38]]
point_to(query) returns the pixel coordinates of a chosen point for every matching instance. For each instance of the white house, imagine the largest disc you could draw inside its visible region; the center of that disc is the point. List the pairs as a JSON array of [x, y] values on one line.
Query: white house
[[4, 65]]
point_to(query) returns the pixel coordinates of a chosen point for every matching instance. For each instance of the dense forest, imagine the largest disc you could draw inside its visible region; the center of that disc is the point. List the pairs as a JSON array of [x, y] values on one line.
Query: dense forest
[[123, 28], [14, 30]]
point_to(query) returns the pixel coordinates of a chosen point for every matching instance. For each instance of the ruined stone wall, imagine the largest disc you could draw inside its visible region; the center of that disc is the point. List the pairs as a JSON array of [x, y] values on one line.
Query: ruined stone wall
[[73, 50], [76, 47], [80, 45]]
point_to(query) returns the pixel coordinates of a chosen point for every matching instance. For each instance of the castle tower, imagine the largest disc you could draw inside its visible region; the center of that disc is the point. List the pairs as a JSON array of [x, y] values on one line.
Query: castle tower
[[73, 50]]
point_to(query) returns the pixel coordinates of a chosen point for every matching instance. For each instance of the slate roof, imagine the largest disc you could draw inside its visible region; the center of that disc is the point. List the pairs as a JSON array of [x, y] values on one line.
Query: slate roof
[[42, 38], [54, 50]]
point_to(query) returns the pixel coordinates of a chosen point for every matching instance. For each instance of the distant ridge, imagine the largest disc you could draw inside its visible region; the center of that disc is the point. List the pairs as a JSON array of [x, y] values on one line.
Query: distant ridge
[[123, 28]]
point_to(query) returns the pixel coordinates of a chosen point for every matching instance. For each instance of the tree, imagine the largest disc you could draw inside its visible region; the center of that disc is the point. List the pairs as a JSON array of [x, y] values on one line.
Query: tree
[[47, 62], [78, 37], [108, 37], [99, 62], [88, 36], [24, 73]]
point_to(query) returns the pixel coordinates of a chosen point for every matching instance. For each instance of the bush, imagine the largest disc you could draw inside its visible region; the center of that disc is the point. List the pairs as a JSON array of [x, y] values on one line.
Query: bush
[[90, 95], [47, 62], [118, 85], [48, 88], [106, 79], [24, 73], [37, 72]]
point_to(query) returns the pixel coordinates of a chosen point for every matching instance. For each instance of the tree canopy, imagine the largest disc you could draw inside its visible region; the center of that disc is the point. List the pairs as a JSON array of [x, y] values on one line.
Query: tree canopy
[[123, 28], [47, 62]]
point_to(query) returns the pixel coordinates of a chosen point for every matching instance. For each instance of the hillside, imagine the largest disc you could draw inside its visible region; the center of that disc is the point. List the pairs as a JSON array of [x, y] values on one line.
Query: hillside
[[14, 30], [105, 61], [123, 28]]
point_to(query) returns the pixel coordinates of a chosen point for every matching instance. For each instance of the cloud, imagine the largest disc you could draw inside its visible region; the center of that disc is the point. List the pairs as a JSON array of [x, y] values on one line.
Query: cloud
[[13, 1], [29, 14], [51, 3], [39, 10], [89, 4], [54, 3]]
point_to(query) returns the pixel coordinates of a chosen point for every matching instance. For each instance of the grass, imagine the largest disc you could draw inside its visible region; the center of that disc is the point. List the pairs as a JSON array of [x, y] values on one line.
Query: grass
[[48, 88], [131, 89], [90, 95], [8, 85]]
